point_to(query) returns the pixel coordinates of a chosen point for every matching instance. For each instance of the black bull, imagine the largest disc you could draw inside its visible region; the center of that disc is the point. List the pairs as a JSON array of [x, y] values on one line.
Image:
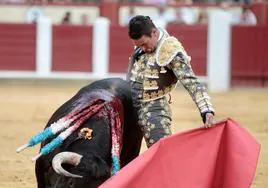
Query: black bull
[[95, 163]]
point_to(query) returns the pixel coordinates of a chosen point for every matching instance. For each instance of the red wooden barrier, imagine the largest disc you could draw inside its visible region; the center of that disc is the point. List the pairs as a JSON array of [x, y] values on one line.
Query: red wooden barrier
[[249, 55], [109, 9], [120, 49], [261, 12], [17, 47], [72, 48], [265, 54], [194, 40]]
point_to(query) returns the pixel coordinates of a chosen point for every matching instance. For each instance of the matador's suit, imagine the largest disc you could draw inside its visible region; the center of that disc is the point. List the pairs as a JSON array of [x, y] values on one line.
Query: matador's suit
[[152, 76]]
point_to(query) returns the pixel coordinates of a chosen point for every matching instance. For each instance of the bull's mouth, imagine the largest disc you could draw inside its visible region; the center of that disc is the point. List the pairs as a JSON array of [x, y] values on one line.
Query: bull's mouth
[[66, 158]]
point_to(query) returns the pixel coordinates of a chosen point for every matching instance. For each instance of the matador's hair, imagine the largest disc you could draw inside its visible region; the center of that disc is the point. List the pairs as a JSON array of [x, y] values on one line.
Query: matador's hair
[[139, 26]]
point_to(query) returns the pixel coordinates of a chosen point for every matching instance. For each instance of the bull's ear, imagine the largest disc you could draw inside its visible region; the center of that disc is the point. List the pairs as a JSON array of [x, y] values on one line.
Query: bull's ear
[[94, 166]]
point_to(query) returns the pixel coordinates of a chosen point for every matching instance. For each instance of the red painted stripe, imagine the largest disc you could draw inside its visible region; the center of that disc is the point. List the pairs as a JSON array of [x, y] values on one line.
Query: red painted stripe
[[72, 48], [249, 55], [194, 40], [17, 47], [120, 49]]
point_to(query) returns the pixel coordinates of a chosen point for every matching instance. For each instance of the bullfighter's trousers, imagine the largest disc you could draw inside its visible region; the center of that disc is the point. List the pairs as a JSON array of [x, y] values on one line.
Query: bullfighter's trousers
[[155, 120]]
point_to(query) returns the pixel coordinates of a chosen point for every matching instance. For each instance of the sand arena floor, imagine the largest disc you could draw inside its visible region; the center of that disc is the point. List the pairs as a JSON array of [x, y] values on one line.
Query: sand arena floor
[[26, 106]]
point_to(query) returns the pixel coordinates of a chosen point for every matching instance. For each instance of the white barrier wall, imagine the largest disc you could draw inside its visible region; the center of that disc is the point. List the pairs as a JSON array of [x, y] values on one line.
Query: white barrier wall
[[219, 40], [100, 54], [18, 13], [44, 46], [218, 65], [56, 13]]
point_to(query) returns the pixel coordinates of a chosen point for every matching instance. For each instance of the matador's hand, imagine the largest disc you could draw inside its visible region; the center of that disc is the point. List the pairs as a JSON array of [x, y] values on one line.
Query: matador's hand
[[208, 119]]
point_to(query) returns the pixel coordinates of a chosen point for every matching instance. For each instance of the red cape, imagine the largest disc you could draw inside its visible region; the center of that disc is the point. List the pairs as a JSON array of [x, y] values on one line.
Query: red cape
[[224, 156]]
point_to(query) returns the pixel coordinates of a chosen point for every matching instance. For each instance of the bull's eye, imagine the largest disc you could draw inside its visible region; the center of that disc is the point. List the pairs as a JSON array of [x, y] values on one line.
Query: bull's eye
[[85, 133]]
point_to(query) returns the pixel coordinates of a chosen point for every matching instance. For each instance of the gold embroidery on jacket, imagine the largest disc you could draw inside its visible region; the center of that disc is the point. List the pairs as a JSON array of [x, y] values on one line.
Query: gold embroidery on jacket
[[151, 59], [167, 50], [150, 85], [151, 73], [163, 70], [136, 72], [157, 94]]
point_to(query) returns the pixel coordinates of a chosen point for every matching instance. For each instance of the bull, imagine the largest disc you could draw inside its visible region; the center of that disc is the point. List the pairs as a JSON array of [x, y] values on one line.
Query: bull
[[84, 158]]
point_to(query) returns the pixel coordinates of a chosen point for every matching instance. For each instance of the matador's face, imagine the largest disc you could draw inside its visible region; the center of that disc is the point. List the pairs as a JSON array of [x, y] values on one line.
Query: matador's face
[[146, 43]]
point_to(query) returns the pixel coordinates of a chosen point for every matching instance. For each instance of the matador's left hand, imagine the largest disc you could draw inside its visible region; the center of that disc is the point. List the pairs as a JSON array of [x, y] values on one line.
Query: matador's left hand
[[209, 120]]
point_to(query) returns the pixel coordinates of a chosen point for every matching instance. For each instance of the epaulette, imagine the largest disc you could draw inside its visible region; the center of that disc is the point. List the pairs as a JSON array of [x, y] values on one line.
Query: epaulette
[[168, 48]]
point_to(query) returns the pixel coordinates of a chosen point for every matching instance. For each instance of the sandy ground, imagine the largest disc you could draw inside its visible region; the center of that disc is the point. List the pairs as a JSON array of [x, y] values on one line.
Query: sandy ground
[[25, 108]]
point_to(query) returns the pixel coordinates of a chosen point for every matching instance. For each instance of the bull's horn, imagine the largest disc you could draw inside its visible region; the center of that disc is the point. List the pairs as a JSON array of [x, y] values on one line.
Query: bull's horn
[[23, 147], [69, 158]]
